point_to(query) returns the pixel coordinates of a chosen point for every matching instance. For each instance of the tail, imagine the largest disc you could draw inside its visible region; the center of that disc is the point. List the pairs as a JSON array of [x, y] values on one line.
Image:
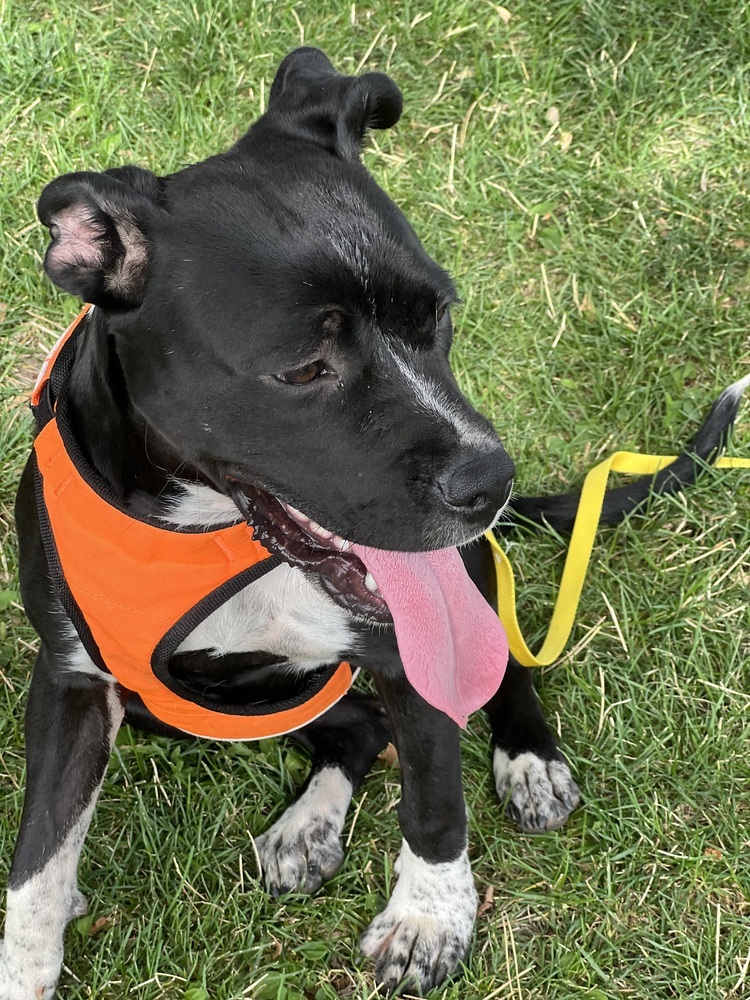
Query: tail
[[559, 511]]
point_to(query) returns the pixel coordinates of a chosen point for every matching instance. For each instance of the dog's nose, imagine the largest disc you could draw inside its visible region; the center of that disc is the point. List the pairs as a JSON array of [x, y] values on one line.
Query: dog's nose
[[478, 484]]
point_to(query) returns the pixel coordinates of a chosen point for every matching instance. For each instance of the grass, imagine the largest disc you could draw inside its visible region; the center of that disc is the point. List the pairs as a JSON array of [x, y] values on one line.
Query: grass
[[581, 167]]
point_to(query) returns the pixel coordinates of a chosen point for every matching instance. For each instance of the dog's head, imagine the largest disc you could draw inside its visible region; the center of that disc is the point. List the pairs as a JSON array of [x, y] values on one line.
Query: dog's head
[[279, 324]]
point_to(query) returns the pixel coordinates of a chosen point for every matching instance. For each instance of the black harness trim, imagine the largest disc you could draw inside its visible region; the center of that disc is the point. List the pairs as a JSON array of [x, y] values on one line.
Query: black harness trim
[[62, 590], [302, 688]]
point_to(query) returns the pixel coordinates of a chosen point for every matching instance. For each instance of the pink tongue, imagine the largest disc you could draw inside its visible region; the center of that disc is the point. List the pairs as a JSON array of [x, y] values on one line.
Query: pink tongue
[[451, 642]]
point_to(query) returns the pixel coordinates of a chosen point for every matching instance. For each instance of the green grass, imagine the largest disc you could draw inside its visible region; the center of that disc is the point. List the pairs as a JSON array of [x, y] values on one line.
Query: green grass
[[603, 265]]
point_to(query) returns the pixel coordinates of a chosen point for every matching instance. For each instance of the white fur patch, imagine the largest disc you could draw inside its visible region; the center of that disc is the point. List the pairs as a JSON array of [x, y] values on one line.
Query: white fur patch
[[285, 613], [425, 930], [38, 910], [541, 794], [198, 504], [303, 847], [430, 396], [736, 389], [78, 660]]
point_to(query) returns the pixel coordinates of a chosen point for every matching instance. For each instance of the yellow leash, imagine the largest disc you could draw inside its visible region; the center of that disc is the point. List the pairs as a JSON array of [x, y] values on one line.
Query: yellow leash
[[578, 557]]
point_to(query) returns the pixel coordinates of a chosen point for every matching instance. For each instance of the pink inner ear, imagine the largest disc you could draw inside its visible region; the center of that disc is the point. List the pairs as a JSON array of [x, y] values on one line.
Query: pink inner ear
[[76, 238]]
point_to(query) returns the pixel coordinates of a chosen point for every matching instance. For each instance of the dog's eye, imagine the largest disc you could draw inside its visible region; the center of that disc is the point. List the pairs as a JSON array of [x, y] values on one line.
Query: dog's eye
[[441, 313], [305, 374]]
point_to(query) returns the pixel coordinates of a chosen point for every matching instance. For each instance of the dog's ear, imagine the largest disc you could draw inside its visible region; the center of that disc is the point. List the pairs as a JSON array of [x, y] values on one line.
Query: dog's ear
[[311, 100], [99, 226]]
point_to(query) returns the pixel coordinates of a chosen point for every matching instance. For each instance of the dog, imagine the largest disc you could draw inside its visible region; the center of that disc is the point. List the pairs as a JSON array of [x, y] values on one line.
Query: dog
[[264, 380]]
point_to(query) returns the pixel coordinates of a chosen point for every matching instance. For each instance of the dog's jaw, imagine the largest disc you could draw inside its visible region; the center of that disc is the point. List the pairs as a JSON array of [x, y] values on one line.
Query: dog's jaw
[[302, 542]]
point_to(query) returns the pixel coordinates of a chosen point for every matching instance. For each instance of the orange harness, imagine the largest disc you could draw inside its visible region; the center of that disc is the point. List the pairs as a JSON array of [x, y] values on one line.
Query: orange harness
[[134, 589]]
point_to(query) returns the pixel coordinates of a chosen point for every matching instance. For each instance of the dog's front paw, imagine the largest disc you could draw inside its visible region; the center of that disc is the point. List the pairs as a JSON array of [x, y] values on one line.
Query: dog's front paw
[[303, 848], [19, 984], [425, 930], [540, 794]]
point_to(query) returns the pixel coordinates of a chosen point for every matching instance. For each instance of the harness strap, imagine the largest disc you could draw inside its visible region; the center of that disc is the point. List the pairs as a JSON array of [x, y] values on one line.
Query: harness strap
[[46, 370], [578, 557]]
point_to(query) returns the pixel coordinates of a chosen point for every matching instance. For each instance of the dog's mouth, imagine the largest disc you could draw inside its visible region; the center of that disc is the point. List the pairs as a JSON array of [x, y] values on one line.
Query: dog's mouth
[[302, 542], [450, 641]]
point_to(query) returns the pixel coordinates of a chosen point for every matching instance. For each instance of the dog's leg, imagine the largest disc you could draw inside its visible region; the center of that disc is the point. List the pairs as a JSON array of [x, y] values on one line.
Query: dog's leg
[[425, 929], [531, 775], [71, 721], [303, 848]]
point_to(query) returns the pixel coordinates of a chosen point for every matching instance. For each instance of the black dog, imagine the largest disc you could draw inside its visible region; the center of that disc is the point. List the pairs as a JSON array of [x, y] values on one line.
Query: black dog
[[269, 332]]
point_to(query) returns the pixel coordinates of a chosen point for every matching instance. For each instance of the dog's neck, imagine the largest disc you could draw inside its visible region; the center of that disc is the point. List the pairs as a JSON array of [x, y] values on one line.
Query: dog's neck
[[115, 440]]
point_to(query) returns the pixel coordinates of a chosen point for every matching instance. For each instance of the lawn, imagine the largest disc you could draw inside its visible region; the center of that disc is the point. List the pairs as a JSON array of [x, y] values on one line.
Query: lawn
[[581, 168]]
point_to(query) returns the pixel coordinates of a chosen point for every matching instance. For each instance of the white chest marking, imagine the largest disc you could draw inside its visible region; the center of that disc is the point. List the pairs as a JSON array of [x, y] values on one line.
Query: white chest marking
[[285, 613]]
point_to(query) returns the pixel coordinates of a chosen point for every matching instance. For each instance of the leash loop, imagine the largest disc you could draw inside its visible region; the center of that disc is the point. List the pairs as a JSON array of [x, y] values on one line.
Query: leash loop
[[578, 557]]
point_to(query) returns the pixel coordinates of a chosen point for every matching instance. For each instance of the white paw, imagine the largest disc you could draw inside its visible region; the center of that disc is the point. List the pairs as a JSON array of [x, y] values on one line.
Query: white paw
[[425, 930], [303, 847], [540, 794], [17, 984]]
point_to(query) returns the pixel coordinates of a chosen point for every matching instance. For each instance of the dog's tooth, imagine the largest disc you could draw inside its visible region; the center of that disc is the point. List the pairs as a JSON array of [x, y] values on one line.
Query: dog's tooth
[[341, 543], [325, 534], [370, 583], [296, 513], [314, 526]]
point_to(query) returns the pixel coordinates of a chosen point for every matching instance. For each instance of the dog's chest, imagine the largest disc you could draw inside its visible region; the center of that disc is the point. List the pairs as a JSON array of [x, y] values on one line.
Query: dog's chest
[[285, 614]]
